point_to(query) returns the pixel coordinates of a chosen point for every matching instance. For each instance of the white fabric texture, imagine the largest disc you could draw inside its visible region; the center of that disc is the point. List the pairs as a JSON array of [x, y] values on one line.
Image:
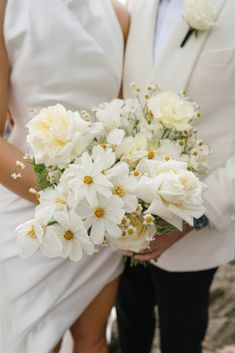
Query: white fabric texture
[[205, 68], [60, 51]]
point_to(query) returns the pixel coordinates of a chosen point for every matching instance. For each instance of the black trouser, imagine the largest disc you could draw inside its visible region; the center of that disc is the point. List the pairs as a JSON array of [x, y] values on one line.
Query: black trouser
[[182, 300]]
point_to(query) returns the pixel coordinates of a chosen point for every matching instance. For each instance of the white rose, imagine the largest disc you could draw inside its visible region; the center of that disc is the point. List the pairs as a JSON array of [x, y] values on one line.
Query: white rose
[[172, 111], [175, 194], [200, 14], [57, 136]]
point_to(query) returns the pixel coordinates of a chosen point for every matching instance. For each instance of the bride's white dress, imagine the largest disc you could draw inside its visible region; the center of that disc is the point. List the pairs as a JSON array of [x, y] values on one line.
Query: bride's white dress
[[67, 51]]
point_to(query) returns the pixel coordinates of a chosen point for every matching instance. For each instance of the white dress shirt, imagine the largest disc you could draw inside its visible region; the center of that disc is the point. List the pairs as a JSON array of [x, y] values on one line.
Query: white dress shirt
[[168, 13]]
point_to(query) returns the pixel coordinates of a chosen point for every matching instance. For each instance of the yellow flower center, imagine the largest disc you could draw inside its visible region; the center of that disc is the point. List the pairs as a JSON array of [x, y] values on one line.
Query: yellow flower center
[[167, 158], [31, 233], [149, 219], [130, 231], [136, 173], [59, 201], [119, 191], [138, 208], [88, 179], [68, 235], [104, 145], [99, 212], [124, 222], [151, 154]]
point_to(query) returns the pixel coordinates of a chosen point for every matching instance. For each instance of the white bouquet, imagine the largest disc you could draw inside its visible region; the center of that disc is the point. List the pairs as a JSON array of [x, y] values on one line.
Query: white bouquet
[[116, 177]]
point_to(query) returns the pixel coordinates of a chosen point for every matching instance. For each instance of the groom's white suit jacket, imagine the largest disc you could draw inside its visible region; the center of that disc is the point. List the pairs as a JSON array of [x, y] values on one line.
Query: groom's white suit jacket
[[205, 67]]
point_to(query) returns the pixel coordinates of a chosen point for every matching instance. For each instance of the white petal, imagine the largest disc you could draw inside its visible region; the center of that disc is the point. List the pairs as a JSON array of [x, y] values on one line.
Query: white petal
[[89, 222], [76, 251], [116, 136], [130, 203], [87, 245], [75, 221], [91, 196], [143, 191], [97, 232], [180, 213], [26, 246], [87, 162], [84, 210], [51, 246], [44, 212], [102, 180], [112, 229], [158, 208], [66, 248], [114, 215], [63, 219]]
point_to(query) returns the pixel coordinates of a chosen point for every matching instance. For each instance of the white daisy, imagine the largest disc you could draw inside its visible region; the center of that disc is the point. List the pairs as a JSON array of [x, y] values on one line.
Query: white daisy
[[52, 200], [148, 219], [32, 235], [124, 186], [104, 218], [105, 155], [72, 235], [87, 180]]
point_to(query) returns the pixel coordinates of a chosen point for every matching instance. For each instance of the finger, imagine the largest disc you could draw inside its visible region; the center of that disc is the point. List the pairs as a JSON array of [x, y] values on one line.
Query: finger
[[127, 253], [148, 257], [145, 252]]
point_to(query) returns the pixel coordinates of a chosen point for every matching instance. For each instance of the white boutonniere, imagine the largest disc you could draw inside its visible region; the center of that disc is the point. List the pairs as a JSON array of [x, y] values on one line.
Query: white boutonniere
[[200, 15]]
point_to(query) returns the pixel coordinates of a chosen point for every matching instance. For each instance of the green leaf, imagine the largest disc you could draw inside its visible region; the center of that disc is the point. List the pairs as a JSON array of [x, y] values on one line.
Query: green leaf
[[41, 176]]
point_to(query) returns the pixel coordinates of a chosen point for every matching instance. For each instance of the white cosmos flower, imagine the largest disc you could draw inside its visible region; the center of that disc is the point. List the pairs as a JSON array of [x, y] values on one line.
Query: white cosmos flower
[[52, 200], [104, 218], [135, 235], [174, 193], [72, 235], [33, 235], [58, 136], [124, 185], [86, 180], [105, 155], [172, 111]]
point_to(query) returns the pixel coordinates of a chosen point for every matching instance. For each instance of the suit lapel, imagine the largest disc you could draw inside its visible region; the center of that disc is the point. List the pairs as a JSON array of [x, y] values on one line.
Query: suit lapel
[[174, 69]]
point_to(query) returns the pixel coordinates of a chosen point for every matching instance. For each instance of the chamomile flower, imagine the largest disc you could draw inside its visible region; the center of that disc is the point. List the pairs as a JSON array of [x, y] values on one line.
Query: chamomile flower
[[148, 219], [123, 186]]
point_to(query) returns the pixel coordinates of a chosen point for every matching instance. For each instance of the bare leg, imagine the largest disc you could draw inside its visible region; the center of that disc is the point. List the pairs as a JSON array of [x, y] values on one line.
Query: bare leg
[[89, 331]]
